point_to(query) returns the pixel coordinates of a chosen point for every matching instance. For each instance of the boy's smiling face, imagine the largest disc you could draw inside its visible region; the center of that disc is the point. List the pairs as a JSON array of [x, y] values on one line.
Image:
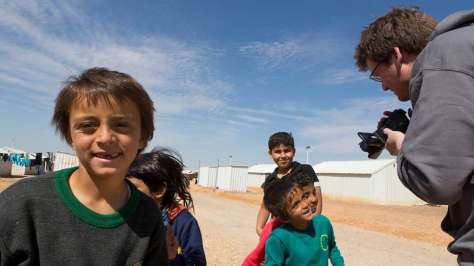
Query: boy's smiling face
[[106, 137], [300, 206], [282, 155]]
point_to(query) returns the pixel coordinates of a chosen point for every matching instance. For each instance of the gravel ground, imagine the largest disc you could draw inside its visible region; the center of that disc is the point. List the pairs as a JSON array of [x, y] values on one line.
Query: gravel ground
[[228, 231]]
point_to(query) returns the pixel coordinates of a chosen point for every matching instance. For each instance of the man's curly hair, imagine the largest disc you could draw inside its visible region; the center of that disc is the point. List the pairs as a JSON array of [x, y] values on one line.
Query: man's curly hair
[[404, 27]]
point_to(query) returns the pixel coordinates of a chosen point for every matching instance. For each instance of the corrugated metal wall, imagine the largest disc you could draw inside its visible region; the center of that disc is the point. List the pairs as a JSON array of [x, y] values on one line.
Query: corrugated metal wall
[[223, 177], [255, 180], [19, 170], [345, 185], [5, 168], [396, 192], [228, 178], [380, 187], [203, 176], [64, 160], [212, 178], [232, 178], [238, 179]]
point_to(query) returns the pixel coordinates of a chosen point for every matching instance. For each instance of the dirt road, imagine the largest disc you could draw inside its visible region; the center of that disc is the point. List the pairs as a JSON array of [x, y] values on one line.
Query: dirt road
[[228, 230]]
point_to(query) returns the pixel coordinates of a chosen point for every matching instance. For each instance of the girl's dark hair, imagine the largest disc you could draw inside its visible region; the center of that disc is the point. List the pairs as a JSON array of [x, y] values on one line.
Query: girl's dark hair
[[163, 167]]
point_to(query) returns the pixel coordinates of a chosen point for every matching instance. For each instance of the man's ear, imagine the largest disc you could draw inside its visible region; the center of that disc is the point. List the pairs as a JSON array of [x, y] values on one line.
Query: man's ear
[[398, 59], [398, 55]]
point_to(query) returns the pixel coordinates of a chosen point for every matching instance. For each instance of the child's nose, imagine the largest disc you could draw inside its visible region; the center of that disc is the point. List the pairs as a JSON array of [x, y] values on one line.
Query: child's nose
[[311, 199], [105, 134]]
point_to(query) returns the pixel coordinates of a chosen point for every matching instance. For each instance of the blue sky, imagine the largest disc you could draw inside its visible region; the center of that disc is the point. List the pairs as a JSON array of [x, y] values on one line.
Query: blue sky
[[224, 75]]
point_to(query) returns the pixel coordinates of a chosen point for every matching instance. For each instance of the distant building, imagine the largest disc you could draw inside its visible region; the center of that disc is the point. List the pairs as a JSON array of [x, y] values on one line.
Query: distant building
[[227, 178], [15, 162], [371, 180], [374, 181], [257, 174]]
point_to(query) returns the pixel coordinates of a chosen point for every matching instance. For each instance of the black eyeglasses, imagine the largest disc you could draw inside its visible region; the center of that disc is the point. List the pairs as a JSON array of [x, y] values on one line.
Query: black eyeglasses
[[375, 77]]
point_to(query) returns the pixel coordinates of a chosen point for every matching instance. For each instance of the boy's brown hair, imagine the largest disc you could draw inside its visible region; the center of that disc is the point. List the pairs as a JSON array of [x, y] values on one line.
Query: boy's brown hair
[[278, 138], [404, 27], [101, 84]]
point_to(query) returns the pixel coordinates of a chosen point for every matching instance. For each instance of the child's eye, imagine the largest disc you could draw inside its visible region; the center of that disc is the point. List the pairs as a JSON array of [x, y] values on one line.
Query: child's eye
[[295, 204], [122, 124], [86, 125]]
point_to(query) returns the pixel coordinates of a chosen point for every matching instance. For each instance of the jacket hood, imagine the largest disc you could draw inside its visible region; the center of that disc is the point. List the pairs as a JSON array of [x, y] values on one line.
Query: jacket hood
[[453, 21]]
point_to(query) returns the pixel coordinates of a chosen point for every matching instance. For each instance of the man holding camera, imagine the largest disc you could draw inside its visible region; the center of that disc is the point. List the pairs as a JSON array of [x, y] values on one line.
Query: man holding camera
[[433, 67]]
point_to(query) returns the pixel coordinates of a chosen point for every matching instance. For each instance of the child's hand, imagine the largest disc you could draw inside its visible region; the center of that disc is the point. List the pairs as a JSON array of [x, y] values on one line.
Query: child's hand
[[172, 244]]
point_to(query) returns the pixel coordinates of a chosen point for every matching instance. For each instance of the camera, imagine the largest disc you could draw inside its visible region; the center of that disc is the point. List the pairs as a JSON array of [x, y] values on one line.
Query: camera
[[374, 143]]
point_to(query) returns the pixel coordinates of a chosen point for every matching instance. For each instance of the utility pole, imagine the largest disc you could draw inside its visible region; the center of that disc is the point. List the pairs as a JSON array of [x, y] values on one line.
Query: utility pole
[[307, 154]]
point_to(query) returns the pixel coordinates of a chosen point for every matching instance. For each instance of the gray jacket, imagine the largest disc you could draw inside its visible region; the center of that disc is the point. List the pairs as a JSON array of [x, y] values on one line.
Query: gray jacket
[[436, 161]]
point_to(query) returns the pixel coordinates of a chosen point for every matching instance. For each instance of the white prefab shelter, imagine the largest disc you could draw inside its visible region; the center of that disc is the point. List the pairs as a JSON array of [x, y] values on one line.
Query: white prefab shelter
[[232, 178], [5, 167], [203, 176], [64, 160], [9, 150], [207, 176], [371, 180], [228, 178], [9, 168], [257, 174]]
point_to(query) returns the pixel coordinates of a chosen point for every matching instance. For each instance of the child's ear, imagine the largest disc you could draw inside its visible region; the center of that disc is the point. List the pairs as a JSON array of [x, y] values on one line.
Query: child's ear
[[160, 192], [141, 144], [284, 220]]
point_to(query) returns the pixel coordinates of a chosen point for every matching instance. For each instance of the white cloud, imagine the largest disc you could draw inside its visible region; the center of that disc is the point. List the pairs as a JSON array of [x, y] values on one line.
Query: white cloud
[[271, 55], [305, 51], [271, 112], [342, 76], [37, 55], [253, 119]]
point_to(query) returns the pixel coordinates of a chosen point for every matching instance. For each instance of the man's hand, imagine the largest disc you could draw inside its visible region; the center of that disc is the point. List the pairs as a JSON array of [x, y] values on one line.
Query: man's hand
[[394, 141], [386, 114]]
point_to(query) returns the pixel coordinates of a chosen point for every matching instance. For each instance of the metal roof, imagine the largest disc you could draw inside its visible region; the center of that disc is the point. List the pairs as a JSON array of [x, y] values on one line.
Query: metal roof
[[11, 150], [352, 167], [262, 168]]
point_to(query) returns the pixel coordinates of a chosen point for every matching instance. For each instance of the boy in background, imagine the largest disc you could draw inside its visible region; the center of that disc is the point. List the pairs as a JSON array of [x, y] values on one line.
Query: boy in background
[[88, 215], [281, 148], [303, 239]]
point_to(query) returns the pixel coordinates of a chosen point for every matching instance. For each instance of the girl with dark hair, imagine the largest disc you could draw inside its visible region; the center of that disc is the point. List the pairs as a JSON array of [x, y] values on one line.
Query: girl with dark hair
[[159, 175]]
